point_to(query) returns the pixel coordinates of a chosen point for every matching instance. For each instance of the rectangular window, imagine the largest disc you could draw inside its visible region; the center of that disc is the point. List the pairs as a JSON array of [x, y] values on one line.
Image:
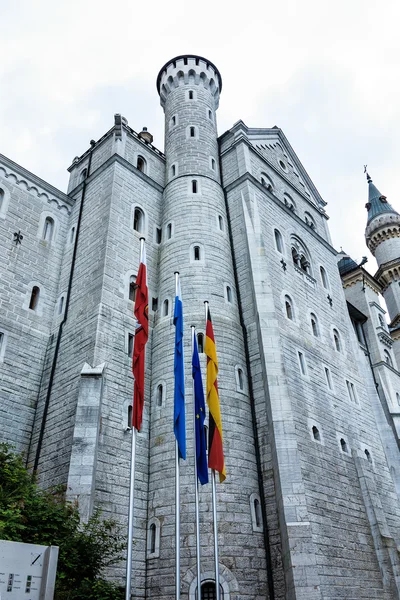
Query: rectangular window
[[131, 339], [154, 304], [328, 378], [158, 235], [302, 363], [1, 341]]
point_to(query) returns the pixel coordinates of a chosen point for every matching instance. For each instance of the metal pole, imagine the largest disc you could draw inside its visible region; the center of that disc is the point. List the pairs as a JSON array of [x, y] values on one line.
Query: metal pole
[[196, 487], [130, 518], [177, 501], [131, 490], [214, 501]]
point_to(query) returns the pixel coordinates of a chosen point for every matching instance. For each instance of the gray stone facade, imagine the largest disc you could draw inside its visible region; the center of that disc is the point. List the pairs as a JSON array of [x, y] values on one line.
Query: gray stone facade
[[310, 400]]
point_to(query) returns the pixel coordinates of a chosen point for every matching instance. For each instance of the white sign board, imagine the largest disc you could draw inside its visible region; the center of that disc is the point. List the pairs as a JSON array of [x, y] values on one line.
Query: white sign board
[[27, 571]]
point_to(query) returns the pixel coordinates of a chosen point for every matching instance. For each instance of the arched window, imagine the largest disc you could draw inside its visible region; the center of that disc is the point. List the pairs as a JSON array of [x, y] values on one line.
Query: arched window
[[381, 320], [130, 414], [220, 223], [229, 294], [141, 164], [138, 220], [152, 545], [266, 181], [72, 236], [289, 308], [309, 220], [192, 132], [300, 255], [196, 252], [336, 340], [83, 175], [194, 186], [132, 288], [278, 241], [2, 194], [257, 512], [210, 115], [328, 378], [61, 305], [343, 445], [368, 455], [200, 343], [191, 95], [324, 278], [388, 358], [398, 398], [316, 434], [240, 379], [302, 363], [289, 202], [165, 309], [169, 231], [159, 395], [314, 325], [213, 164], [209, 592], [34, 300], [173, 170], [173, 121], [48, 229]]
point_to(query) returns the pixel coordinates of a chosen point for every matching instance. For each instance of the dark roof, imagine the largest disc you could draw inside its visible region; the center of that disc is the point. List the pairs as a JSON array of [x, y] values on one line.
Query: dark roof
[[377, 203], [346, 264]]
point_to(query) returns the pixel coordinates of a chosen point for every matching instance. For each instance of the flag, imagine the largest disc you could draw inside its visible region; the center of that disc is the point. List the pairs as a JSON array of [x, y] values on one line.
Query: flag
[[216, 459], [179, 390], [141, 336], [200, 413]]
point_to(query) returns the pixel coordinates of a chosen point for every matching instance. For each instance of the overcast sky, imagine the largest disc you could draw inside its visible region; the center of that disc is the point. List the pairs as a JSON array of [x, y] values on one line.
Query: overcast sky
[[327, 73]]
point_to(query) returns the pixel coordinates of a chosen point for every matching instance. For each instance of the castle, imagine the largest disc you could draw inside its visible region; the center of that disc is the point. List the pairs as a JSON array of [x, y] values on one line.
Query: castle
[[309, 382]]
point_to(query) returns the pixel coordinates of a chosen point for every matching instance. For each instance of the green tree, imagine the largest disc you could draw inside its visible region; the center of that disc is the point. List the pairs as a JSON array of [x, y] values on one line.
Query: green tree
[[32, 515]]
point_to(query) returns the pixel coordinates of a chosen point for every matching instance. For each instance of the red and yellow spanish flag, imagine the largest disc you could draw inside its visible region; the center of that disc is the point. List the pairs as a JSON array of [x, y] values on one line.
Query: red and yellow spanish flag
[[141, 336], [216, 459]]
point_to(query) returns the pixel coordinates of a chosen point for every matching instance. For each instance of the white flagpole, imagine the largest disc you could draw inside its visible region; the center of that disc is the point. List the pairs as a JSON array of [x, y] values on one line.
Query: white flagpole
[[131, 491], [177, 500], [214, 505], [196, 486]]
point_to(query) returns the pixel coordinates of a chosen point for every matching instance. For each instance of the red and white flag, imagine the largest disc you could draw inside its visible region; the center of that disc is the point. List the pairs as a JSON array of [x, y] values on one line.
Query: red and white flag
[[141, 336]]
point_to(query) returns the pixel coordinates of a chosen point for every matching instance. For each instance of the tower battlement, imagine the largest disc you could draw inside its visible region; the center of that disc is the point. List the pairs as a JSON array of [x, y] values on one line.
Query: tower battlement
[[189, 69]]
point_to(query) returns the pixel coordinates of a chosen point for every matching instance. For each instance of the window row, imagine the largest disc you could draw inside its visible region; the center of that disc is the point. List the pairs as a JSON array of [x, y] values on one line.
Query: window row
[[303, 367], [191, 129], [140, 221], [314, 324], [194, 186], [288, 201], [317, 436], [300, 256]]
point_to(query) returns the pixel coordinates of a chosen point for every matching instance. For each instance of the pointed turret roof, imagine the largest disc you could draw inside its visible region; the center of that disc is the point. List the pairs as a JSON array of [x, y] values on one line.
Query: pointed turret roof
[[377, 203]]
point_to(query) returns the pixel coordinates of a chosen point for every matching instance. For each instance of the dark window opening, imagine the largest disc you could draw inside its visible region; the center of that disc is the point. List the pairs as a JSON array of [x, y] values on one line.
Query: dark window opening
[[34, 301], [200, 343], [131, 339], [158, 235], [196, 252], [141, 164]]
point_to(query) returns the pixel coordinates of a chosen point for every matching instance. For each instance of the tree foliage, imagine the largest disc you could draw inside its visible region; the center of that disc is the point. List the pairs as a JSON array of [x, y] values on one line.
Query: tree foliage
[[32, 515]]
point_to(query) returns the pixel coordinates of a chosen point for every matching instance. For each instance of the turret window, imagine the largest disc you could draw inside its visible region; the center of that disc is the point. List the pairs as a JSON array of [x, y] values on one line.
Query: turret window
[[343, 445], [228, 291], [314, 325], [221, 223], [159, 395], [132, 288], [278, 240], [48, 229], [316, 434], [212, 163], [336, 340], [200, 343], [131, 339], [141, 164], [129, 416], [61, 305], [165, 308], [192, 132], [2, 195], [289, 308], [153, 538], [196, 252], [174, 170], [302, 363], [256, 512], [138, 220], [194, 186], [169, 231], [328, 378], [324, 278], [34, 299], [173, 122]]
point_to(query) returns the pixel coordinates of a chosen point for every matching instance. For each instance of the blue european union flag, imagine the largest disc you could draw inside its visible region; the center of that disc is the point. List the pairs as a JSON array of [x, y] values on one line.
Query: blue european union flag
[[179, 390], [200, 413]]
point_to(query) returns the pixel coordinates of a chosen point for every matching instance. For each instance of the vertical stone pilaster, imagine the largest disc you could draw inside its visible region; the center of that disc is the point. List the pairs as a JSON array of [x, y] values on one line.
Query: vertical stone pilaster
[[82, 471]]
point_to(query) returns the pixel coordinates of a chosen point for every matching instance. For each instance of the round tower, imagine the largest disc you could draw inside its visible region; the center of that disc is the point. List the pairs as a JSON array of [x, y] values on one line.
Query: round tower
[[195, 242], [382, 236]]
